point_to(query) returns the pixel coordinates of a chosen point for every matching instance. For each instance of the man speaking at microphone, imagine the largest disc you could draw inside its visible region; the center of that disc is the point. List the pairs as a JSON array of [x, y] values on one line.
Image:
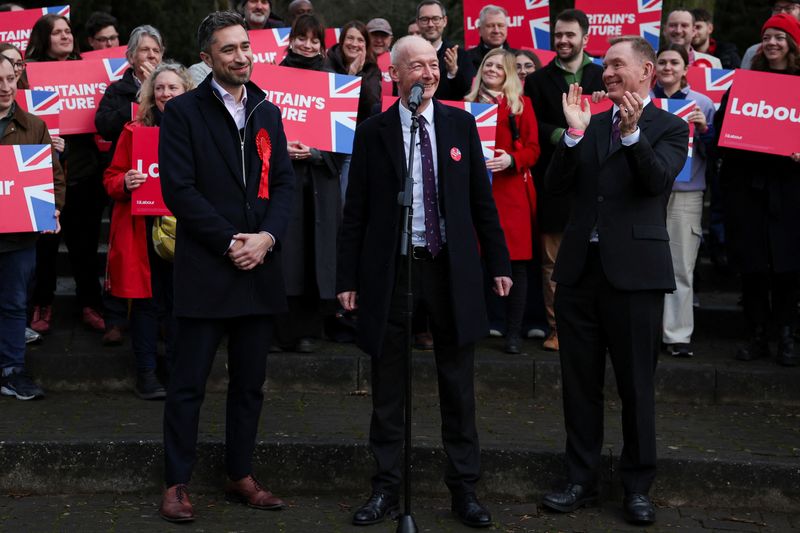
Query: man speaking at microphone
[[453, 210]]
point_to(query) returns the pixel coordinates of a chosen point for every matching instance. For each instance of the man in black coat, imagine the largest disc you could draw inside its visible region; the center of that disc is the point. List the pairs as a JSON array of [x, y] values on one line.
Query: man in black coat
[[493, 29], [613, 269], [453, 212], [456, 68], [545, 88], [226, 175]]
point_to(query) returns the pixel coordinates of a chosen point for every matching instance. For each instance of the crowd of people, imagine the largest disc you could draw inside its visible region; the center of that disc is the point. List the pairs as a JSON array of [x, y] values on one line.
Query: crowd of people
[[533, 237]]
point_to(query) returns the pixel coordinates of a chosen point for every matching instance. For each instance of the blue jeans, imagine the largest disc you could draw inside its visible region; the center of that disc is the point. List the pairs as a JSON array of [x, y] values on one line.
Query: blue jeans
[[16, 271]]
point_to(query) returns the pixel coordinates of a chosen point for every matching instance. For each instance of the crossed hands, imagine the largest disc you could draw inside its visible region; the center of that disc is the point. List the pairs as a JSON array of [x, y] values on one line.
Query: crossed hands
[[249, 249]]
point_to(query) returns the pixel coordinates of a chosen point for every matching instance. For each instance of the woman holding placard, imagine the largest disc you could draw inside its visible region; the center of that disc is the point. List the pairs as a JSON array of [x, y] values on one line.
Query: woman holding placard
[[52, 40], [135, 270], [685, 207], [516, 151], [761, 194], [309, 249]]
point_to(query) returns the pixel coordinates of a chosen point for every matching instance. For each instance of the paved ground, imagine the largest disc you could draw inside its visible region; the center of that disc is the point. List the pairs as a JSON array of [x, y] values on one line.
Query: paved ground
[[129, 513]]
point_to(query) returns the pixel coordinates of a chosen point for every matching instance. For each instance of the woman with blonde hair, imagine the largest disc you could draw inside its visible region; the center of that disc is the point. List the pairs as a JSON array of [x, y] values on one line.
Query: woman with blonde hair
[[134, 269], [516, 151]]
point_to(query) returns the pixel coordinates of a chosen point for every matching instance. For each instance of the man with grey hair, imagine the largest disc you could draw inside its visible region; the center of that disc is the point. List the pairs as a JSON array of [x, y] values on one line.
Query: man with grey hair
[[258, 14], [145, 50], [449, 221], [493, 29], [226, 175]]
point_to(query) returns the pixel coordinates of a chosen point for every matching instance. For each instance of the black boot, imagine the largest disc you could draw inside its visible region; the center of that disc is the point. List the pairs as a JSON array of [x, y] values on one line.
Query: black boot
[[757, 347], [148, 387], [786, 354]]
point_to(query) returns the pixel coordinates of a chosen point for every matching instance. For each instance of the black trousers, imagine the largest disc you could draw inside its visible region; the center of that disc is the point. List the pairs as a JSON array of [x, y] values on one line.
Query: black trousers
[[770, 296], [593, 317], [249, 339], [455, 366], [80, 225]]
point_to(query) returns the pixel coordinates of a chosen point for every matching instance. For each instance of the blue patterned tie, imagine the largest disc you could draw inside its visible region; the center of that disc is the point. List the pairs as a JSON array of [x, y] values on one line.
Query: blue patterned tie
[[433, 237]]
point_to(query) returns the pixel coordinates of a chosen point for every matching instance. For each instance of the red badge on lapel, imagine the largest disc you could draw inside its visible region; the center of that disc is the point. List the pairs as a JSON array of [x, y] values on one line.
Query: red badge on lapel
[[455, 154], [264, 147]]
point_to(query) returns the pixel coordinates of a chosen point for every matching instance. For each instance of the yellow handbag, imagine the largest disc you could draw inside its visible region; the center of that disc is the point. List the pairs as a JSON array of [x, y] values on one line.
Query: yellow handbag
[[164, 237]]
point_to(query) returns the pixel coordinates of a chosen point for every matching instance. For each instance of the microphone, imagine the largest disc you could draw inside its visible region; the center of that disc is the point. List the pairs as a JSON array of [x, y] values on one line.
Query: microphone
[[415, 98]]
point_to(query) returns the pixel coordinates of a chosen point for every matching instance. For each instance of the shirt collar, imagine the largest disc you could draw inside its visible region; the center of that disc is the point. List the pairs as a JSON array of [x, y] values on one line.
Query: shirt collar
[[11, 112], [226, 96], [405, 114]]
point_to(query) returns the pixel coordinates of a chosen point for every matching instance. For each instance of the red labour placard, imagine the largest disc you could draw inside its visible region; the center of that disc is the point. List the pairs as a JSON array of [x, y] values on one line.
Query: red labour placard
[[319, 109], [763, 113], [528, 22], [614, 18], [114, 51], [147, 199], [27, 202], [15, 26], [80, 86]]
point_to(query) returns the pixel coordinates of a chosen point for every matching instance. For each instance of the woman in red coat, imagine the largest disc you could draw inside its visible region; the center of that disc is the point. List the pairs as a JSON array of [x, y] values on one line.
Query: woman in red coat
[[134, 270], [516, 151]]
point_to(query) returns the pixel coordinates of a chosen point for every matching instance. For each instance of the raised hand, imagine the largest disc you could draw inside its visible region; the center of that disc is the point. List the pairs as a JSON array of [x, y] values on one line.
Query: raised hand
[[629, 111], [577, 115], [451, 60]]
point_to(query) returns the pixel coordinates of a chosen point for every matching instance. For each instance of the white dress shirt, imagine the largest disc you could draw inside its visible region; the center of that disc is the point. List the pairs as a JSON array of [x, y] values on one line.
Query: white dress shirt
[[418, 218], [236, 109]]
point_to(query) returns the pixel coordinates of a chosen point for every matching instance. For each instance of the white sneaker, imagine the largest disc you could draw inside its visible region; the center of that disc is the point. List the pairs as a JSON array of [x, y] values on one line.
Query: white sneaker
[[535, 333], [32, 336], [495, 333]]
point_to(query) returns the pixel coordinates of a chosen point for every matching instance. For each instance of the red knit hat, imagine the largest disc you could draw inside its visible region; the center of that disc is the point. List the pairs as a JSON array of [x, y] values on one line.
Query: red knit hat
[[784, 22]]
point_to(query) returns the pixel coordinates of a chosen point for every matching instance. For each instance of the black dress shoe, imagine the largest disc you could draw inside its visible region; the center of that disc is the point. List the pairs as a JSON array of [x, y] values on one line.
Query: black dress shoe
[[786, 353], [375, 509], [756, 348], [638, 509], [513, 343], [573, 497], [470, 511]]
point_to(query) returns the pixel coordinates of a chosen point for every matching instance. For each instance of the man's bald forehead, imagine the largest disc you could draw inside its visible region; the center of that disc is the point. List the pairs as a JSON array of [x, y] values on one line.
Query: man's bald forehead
[[405, 45]]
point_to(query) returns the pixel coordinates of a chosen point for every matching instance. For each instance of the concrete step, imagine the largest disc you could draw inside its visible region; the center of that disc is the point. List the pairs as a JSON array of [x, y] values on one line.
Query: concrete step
[[72, 357], [316, 444]]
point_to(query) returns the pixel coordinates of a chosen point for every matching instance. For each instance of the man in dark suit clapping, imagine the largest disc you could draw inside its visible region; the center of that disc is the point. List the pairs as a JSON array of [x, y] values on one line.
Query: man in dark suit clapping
[[453, 210], [226, 175], [613, 269]]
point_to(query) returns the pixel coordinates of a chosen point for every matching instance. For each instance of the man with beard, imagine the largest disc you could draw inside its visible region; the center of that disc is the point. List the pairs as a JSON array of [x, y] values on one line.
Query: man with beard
[[258, 14], [545, 88], [226, 175], [680, 29], [705, 43]]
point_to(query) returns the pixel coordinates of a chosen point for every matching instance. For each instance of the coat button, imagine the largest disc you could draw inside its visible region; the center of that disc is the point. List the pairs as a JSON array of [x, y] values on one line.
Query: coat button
[[600, 198]]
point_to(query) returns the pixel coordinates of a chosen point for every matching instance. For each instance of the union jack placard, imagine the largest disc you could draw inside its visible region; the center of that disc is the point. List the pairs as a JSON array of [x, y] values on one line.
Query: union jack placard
[[15, 26], [681, 108], [319, 109], [528, 22], [614, 18], [80, 86], [27, 202], [712, 82], [44, 104]]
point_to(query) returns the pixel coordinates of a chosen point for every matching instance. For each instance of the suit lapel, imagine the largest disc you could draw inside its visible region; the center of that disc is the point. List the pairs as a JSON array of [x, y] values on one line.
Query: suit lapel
[[220, 124], [602, 138], [391, 132], [444, 142]]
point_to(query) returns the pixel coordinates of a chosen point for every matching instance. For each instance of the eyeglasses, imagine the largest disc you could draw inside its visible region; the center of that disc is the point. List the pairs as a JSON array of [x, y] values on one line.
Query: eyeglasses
[[785, 8], [110, 38], [19, 65], [430, 20]]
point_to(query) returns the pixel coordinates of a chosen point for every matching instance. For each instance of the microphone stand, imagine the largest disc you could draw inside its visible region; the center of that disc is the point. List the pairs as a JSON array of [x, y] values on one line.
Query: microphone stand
[[406, 523]]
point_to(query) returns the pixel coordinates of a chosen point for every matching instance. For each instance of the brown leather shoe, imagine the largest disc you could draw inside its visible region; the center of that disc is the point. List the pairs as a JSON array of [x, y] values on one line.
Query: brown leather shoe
[[551, 342], [250, 491], [175, 505]]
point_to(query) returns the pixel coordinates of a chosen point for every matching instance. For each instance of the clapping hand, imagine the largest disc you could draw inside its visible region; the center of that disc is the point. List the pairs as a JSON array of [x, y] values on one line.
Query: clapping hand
[[630, 110], [577, 115], [451, 60]]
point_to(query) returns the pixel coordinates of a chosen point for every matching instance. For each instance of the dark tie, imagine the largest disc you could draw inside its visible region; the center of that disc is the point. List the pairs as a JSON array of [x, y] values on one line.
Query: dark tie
[[433, 237], [615, 134]]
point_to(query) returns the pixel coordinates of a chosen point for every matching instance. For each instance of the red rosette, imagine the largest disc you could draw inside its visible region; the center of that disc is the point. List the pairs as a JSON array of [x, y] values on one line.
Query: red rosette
[[264, 147]]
